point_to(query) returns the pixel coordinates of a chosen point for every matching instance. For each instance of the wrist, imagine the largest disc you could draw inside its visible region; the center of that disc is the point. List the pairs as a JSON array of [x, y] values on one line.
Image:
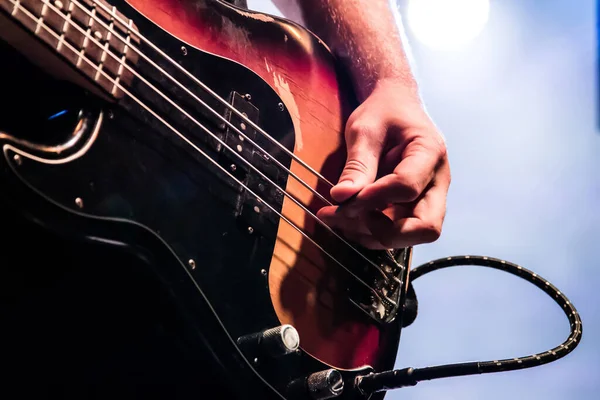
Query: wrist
[[401, 94], [404, 86]]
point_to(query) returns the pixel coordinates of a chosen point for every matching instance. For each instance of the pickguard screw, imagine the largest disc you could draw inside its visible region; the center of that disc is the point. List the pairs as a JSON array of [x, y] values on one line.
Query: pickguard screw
[[243, 126], [247, 97], [263, 271], [232, 167], [111, 115], [18, 159], [192, 263], [183, 50], [79, 202], [250, 230], [281, 106], [261, 187], [256, 361]]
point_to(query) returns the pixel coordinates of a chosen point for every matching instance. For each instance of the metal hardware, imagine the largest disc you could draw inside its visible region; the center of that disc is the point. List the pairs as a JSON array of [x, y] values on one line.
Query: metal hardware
[[257, 169], [325, 384], [18, 159], [281, 106], [250, 230], [184, 50], [274, 342], [192, 263], [281, 340], [390, 287], [79, 202]]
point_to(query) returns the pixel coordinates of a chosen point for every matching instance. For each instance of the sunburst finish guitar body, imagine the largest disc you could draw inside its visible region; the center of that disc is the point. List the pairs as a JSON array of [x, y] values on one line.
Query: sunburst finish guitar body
[[186, 146]]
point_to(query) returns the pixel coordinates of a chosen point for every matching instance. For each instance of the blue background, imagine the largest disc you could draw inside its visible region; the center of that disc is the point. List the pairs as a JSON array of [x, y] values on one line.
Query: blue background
[[518, 108]]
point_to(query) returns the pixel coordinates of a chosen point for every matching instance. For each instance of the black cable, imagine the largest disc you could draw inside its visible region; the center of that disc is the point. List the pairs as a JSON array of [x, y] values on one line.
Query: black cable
[[411, 376]]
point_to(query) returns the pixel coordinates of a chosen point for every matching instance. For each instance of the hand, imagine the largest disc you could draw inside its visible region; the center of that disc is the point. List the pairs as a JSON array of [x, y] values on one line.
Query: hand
[[397, 170]]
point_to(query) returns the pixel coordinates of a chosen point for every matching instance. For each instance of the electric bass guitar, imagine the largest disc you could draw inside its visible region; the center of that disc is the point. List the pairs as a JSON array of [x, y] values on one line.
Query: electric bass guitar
[[201, 139]]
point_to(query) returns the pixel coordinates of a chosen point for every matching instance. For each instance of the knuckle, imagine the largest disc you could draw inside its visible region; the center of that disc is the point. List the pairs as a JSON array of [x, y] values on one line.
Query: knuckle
[[407, 188], [438, 146], [430, 232], [441, 150], [363, 129], [412, 190], [431, 141]]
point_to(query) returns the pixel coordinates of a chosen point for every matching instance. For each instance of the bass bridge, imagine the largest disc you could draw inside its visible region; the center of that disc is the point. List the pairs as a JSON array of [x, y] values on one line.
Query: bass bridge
[[387, 278]]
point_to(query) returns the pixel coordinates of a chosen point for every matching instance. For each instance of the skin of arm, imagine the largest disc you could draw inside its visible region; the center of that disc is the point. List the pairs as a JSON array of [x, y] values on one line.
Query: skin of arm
[[392, 191]]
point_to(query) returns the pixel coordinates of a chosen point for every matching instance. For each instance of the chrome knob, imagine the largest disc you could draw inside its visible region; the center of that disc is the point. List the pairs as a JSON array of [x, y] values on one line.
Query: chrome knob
[[273, 342], [325, 384], [280, 340]]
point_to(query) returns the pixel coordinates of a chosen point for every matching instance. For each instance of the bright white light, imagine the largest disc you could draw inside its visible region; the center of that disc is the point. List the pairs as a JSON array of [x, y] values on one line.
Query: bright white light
[[447, 24]]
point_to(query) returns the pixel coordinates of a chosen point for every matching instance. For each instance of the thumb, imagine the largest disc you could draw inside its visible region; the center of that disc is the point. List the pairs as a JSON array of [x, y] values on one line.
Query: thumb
[[364, 149]]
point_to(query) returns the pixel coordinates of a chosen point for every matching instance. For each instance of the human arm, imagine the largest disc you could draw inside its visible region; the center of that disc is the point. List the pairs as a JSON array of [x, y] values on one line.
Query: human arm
[[397, 166]]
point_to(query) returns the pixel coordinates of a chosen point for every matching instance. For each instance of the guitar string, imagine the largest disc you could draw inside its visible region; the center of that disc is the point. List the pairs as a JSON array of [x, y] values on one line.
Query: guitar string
[[214, 94], [95, 18], [183, 137], [196, 98], [214, 136]]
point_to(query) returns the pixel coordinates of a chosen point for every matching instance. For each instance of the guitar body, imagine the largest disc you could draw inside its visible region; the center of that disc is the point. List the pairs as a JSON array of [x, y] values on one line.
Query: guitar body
[[149, 257]]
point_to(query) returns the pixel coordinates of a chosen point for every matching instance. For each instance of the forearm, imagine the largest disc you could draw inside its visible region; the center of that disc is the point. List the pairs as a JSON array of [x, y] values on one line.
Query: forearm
[[367, 38]]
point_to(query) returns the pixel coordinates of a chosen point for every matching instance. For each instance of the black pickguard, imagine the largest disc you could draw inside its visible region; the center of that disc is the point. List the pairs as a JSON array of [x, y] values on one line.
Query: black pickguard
[[103, 268]]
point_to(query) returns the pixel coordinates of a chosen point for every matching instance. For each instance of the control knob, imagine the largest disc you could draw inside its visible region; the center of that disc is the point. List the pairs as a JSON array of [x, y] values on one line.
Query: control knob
[[275, 342], [325, 384]]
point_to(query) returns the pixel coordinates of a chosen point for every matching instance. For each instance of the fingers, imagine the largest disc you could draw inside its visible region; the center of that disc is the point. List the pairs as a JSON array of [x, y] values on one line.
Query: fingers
[[423, 226], [408, 181], [395, 227], [364, 145], [334, 219], [351, 229], [365, 240]]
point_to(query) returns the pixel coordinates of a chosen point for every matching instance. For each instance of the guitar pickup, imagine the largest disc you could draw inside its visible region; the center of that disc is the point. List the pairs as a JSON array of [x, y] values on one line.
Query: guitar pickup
[[235, 141], [259, 174], [254, 211]]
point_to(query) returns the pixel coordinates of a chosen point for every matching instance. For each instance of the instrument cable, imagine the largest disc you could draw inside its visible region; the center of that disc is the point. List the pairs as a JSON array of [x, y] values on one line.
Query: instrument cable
[[389, 380]]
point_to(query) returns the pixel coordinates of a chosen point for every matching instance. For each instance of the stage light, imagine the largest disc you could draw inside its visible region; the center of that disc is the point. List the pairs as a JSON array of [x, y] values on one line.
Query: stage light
[[447, 24]]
